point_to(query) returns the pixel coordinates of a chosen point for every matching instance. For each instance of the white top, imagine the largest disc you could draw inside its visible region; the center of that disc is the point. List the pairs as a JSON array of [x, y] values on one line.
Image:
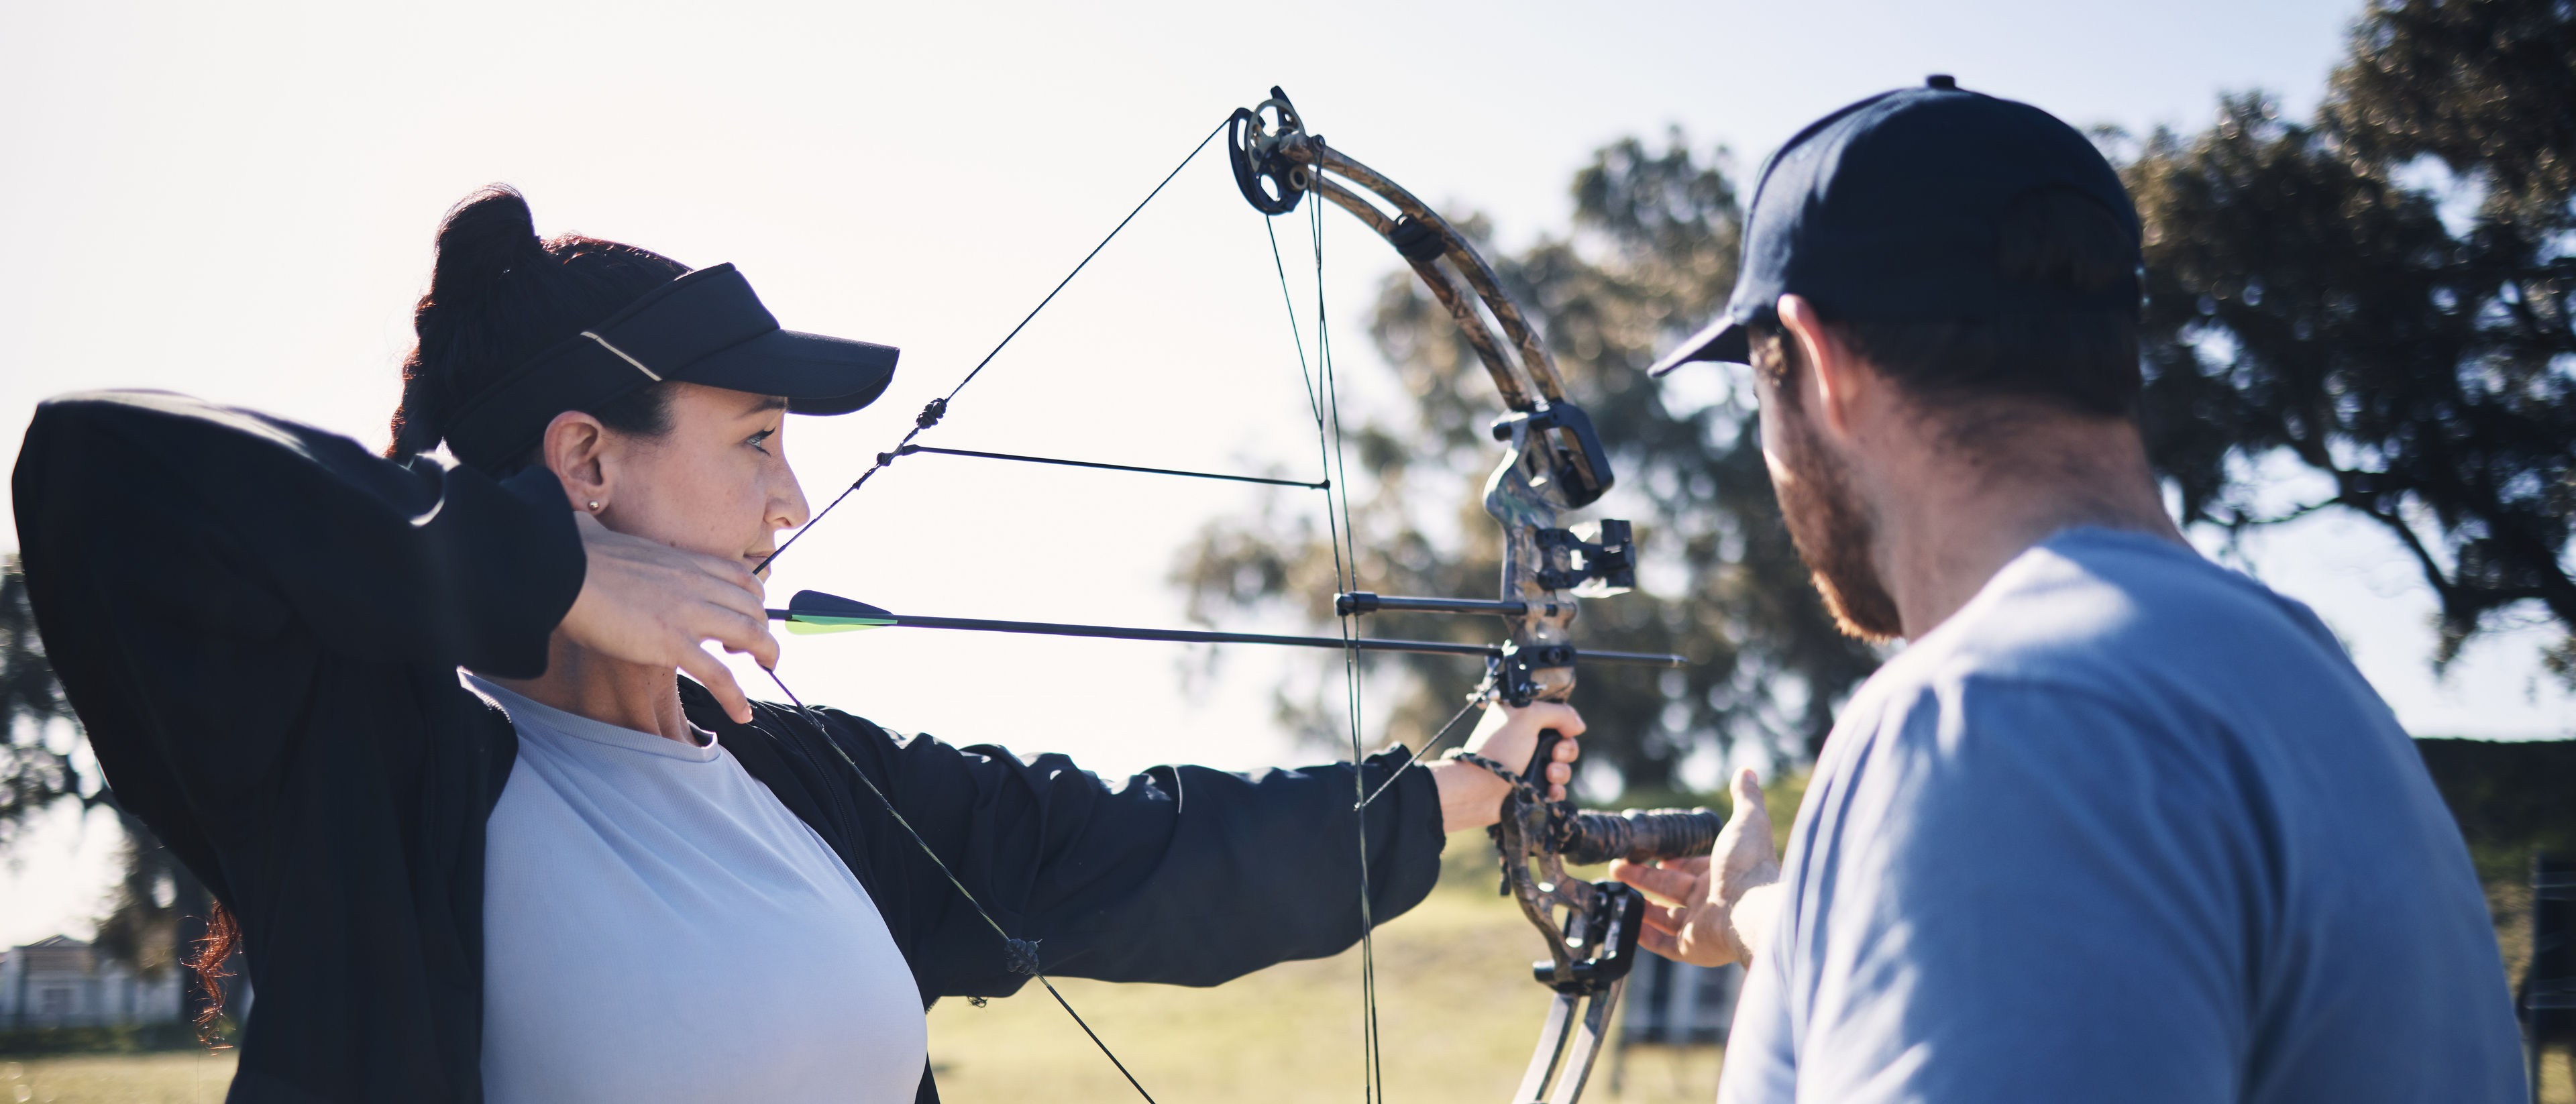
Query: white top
[[658, 927], [2127, 827]]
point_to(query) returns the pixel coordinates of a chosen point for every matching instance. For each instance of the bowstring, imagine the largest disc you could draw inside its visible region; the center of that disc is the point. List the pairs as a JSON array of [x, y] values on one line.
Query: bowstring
[[1477, 698], [1325, 402], [1322, 402], [938, 408], [1322, 387], [1296, 332], [1022, 952]]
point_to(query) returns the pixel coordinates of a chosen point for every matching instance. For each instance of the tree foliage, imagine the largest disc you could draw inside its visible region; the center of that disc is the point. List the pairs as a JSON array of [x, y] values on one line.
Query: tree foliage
[[1653, 253], [36, 764], [2310, 296], [157, 906]]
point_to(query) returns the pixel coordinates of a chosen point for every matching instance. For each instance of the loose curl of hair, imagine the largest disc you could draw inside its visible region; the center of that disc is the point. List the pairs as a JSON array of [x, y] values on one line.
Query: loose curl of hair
[[499, 295]]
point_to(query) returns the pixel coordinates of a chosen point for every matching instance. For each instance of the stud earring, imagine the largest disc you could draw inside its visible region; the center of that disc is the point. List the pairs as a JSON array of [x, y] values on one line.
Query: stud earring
[[594, 506]]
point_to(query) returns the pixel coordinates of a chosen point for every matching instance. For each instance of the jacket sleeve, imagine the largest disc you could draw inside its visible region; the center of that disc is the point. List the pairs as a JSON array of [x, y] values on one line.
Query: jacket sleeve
[[1178, 875], [196, 570]]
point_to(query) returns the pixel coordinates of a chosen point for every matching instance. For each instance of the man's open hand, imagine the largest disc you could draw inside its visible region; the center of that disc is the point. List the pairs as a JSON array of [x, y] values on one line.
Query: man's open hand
[[1693, 916]]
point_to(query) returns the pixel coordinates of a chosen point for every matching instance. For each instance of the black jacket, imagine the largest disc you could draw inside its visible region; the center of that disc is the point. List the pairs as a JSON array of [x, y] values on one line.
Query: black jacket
[[260, 624]]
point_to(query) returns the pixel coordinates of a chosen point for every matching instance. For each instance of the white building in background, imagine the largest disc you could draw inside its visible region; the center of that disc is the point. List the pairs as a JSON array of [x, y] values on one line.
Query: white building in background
[[63, 982]]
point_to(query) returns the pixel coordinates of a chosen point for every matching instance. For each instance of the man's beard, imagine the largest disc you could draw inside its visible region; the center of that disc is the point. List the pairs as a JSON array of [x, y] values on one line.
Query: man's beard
[[1833, 533]]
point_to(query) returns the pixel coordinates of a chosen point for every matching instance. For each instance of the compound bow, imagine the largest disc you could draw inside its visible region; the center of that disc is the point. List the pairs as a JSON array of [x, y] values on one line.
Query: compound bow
[[1554, 463]]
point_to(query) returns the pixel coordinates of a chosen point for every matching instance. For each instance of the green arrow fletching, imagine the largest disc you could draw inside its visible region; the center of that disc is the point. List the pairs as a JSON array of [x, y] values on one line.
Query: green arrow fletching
[[813, 612]]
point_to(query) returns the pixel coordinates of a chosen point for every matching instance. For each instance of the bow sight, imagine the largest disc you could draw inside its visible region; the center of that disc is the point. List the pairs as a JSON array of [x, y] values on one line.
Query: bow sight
[[1554, 463]]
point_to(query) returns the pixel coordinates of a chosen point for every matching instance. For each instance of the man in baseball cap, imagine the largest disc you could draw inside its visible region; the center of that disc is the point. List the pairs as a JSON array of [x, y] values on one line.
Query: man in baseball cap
[[2117, 823]]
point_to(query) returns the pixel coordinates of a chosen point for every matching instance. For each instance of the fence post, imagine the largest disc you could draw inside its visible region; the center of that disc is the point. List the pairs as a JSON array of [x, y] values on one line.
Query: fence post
[[2548, 998]]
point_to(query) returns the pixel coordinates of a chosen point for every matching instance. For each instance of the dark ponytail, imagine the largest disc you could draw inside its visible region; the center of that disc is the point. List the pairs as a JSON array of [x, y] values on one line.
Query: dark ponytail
[[499, 295]]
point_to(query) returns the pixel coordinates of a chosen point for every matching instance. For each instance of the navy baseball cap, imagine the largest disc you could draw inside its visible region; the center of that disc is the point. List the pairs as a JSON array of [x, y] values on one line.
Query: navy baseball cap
[[703, 327], [1891, 210]]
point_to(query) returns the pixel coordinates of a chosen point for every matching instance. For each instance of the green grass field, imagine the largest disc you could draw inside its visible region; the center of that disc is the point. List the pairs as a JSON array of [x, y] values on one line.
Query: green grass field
[[1457, 1015], [170, 1077]]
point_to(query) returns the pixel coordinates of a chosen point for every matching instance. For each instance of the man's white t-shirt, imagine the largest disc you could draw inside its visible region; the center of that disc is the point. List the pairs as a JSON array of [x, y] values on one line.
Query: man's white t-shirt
[[2128, 827], [657, 927]]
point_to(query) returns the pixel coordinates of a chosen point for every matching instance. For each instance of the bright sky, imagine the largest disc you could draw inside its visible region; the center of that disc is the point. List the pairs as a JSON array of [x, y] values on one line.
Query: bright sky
[[236, 201]]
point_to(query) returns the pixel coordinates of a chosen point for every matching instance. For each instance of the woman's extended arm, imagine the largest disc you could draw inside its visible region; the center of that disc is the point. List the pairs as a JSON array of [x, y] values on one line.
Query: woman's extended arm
[[1178, 875]]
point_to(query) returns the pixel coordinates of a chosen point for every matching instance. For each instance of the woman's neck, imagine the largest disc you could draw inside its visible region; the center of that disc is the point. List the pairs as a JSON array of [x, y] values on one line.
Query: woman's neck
[[611, 691]]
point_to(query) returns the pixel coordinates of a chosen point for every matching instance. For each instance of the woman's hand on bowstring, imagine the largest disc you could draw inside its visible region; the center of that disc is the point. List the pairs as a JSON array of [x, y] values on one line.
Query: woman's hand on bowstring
[[1470, 796], [646, 602]]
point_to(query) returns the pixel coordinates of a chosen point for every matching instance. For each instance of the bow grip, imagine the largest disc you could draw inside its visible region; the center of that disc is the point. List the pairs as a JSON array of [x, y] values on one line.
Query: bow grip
[[1536, 772]]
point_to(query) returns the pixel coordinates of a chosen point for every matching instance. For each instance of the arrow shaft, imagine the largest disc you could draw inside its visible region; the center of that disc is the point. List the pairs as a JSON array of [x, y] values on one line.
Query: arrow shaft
[[1196, 636]]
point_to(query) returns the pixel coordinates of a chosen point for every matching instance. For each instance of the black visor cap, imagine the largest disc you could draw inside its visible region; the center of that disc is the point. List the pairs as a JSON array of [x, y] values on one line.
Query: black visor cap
[[816, 374], [707, 328]]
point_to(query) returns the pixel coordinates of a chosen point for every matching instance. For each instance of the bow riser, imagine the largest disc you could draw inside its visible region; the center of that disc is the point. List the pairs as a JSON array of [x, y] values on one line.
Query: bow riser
[[1519, 498]]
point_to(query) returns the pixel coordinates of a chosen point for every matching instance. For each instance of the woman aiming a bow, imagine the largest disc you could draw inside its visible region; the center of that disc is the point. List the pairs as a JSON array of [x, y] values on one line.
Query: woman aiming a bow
[[416, 724]]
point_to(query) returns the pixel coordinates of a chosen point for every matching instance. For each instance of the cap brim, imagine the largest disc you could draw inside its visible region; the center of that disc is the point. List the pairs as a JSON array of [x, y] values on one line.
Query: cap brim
[[816, 374], [1723, 341]]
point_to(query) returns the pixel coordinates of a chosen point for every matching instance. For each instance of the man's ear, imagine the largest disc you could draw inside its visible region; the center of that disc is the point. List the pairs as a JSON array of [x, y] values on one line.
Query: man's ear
[[1835, 375], [575, 448]]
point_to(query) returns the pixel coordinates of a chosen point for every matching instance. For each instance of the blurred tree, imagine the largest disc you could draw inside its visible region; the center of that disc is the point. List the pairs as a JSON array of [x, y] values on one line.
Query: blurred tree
[[2306, 300], [157, 906], [2317, 293], [36, 765], [151, 903], [1653, 254]]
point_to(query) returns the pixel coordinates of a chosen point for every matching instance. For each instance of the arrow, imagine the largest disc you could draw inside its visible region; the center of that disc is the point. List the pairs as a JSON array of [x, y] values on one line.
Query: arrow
[[812, 611]]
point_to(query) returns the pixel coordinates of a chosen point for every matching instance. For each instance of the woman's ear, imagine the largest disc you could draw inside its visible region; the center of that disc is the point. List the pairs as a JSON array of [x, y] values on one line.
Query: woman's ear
[[575, 448]]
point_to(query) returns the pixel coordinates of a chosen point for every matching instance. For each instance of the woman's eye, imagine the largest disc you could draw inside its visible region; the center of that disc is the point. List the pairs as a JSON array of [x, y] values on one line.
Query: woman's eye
[[761, 438]]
